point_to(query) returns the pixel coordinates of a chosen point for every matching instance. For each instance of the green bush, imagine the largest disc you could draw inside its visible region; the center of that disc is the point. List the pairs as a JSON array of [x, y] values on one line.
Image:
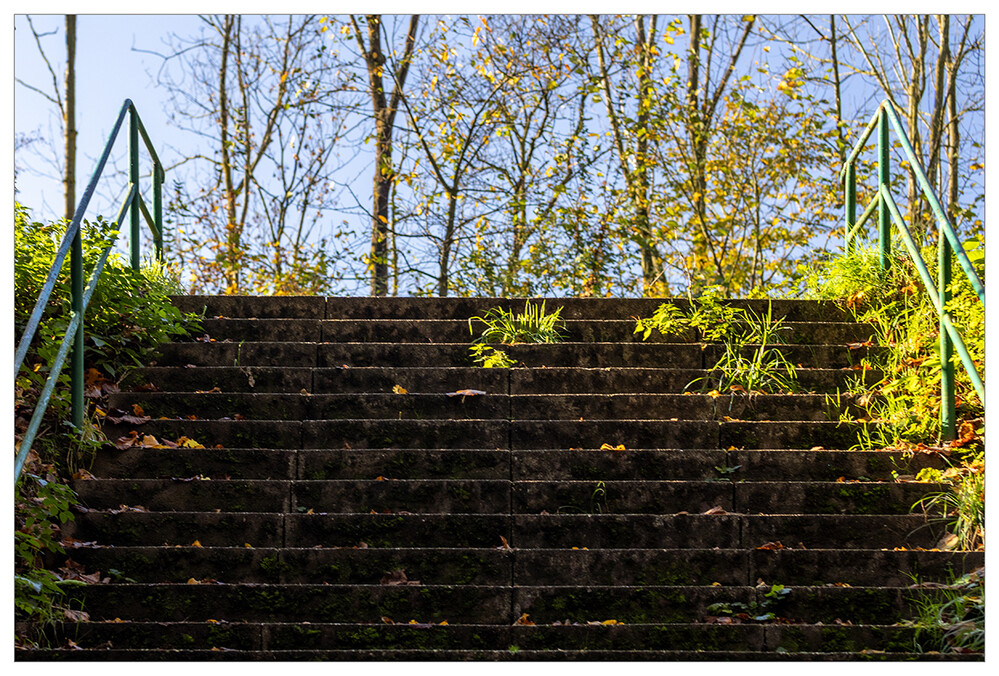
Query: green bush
[[905, 321], [129, 314]]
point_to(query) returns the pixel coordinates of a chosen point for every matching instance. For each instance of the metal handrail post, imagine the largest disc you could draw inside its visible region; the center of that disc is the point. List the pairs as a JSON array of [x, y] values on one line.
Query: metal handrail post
[[158, 209], [850, 204], [948, 403], [133, 177], [884, 180], [76, 305]]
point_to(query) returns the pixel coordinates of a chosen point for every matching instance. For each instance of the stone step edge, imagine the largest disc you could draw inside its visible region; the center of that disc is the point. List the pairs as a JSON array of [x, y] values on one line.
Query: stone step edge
[[472, 655]]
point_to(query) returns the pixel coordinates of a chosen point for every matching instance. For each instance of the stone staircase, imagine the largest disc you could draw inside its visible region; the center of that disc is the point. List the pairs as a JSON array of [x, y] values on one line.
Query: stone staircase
[[350, 503]]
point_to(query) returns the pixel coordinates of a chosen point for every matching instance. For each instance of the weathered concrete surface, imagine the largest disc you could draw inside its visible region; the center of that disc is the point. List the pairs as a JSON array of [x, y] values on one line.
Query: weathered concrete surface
[[346, 488]]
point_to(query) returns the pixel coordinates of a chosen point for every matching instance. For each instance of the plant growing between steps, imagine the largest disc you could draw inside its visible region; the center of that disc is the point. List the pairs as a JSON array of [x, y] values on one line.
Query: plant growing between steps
[[533, 325], [962, 508], [951, 618], [749, 362], [764, 610]]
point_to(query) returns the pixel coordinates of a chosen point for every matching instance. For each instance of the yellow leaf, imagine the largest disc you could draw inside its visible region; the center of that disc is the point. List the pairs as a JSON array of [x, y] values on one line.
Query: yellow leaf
[[608, 447], [195, 544], [443, 623], [611, 622], [399, 389], [248, 545], [193, 581]]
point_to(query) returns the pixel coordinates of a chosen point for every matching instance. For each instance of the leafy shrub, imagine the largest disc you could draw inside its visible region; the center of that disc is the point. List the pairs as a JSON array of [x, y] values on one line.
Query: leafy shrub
[[905, 322], [129, 314]]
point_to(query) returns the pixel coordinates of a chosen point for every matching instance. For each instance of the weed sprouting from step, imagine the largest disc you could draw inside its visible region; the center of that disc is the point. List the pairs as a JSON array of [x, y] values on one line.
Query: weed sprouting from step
[[533, 325], [951, 618], [713, 320], [749, 363], [764, 610], [906, 328], [962, 507]]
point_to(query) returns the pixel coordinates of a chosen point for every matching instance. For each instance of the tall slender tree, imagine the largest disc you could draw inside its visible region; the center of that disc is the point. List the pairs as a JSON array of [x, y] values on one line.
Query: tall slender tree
[[384, 110]]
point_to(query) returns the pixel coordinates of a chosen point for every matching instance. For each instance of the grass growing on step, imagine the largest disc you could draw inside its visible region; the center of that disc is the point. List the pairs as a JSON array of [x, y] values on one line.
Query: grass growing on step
[[962, 508], [951, 618], [749, 363], [533, 325]]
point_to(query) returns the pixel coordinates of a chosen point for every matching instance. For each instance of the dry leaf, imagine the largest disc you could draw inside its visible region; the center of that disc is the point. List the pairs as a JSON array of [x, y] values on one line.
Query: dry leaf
[[399, 389], [715, 510], [523, 621]]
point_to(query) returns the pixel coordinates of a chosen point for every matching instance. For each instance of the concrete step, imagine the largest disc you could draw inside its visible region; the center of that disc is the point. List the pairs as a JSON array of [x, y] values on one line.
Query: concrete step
[[275, 406], [429, 380], [614, 531], [533, 567], [288, 565], [494, 433], [475, 604], [487, 496], [590, 355], [620, 638], [528, 464], [459, 330], [468, 604], [510, 654], [463, 308]]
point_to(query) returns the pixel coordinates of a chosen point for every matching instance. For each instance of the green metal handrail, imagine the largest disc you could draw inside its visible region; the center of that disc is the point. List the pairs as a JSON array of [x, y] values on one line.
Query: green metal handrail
[[73, 243], [948, 246]]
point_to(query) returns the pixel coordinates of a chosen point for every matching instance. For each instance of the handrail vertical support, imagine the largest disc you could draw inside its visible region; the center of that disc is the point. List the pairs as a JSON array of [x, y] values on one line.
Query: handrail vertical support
[[850, 205], [76, 304], [948, 405], [133, 177], [884, 180], [158, 209]]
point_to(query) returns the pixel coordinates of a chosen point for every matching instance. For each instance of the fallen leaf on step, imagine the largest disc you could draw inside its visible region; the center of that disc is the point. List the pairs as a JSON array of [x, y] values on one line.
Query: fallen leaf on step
[[776, 544], [715, 510], [505, 545], [398, 577], [399, 389], [948, 542], [465, 393], [523, 621], [608, 447]]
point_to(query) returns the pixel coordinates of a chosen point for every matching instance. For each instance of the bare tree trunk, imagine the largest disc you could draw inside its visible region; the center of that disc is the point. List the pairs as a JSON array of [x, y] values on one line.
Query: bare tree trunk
[[69, 120], [384, 114], [837, 87]]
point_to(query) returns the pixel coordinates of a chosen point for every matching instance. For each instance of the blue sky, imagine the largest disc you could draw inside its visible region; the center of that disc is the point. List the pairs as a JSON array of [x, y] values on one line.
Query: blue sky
[[109, 70]]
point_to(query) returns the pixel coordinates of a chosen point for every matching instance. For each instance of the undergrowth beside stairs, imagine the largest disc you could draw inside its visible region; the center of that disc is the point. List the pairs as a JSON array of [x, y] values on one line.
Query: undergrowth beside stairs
[[128, 316], [905, 412]]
